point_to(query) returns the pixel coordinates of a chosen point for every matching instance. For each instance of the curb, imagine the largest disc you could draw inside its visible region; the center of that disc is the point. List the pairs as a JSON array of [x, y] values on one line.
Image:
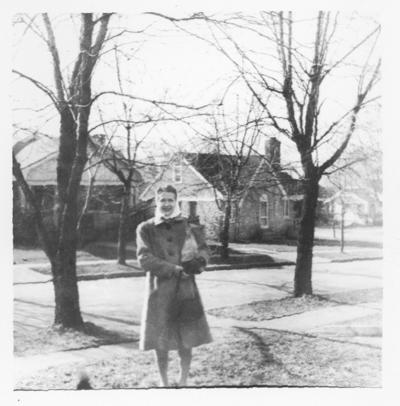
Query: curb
[[356, 259], [111, 275], [227, 267]]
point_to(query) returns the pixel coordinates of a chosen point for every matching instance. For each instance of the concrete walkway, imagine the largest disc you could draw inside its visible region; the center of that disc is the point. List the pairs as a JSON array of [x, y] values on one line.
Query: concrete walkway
[[312, 323], [321, 254]]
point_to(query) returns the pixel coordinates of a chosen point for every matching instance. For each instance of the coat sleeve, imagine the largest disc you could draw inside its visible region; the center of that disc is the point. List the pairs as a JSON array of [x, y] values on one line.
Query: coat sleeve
[[147, 260]]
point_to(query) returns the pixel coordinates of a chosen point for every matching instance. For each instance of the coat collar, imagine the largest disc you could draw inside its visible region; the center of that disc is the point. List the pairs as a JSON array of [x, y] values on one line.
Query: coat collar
[[172, 220]]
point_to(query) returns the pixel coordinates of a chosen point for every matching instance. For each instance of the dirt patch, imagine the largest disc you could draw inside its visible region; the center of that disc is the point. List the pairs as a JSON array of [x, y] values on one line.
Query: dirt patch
[[237, 357], [46, 340]]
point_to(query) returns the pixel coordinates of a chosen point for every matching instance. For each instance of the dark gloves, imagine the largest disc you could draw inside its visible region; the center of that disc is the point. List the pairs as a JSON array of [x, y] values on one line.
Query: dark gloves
[[194, 266]]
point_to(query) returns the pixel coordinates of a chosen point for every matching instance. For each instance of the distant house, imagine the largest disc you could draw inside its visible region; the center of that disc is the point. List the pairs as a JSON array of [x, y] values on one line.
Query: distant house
[[356, 206], [268, 207], [38, 160]]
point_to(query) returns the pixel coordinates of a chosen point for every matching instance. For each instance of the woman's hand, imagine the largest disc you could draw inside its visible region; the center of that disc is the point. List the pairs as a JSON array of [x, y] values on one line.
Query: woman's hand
[[180, 271], [194, 266]]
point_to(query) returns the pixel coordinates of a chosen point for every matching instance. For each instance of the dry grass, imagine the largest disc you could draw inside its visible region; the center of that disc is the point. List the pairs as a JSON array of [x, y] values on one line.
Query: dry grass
[[237, 357], [51, 339], [271, 309]]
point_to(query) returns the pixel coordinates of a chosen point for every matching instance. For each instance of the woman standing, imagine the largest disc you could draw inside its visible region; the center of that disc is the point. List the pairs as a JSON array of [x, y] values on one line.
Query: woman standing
[[173, 315]]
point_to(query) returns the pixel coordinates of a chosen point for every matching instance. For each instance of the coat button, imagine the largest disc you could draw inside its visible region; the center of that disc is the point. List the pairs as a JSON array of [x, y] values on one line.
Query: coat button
[[169, 239], [171, 253]]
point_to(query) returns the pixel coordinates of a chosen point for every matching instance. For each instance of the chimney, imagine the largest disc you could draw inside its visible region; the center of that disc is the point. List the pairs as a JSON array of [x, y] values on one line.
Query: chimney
[[273, 152]]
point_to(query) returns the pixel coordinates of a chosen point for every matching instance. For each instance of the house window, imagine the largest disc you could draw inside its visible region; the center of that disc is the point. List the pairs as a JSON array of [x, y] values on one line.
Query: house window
[[193, 217], [177, 172], [192, 209], [264, 211], [285, 208]]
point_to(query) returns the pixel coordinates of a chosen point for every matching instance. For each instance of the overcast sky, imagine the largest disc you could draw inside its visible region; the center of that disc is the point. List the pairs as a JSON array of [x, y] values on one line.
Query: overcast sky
[[163, 63]]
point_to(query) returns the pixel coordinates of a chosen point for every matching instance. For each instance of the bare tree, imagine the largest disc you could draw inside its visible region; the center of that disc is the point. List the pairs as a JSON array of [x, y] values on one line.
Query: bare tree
[[72, 99], [126, 166], [230, 140], [287, 78]]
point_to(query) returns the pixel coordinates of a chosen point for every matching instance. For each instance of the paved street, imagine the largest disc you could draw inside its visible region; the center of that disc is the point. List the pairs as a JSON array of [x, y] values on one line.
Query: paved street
[[120, 300]]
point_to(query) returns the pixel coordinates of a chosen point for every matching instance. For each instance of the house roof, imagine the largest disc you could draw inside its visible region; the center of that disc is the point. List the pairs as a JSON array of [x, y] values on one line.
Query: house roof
[[38, 160], [215, 168], [350, 197], [193, 187], [32, 151]]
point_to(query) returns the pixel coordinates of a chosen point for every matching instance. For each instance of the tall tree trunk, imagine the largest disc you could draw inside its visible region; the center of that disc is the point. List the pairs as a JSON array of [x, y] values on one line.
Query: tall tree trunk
[[67, 311], [303, 270], [65, 281], [123, 226], [225, 230]]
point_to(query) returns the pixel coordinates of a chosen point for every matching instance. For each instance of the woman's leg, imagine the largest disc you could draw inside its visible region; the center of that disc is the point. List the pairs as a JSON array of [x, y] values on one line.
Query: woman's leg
[[162, 361], [185, 355]]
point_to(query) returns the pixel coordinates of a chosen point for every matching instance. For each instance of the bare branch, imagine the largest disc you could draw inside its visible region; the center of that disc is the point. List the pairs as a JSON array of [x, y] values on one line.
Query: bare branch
[[40, 86], [352, 50], [143, 99], [360, 100], [51, 42]]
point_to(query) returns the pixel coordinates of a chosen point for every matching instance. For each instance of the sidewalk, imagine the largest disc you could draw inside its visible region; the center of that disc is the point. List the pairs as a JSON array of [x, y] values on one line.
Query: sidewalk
[[321, 254]]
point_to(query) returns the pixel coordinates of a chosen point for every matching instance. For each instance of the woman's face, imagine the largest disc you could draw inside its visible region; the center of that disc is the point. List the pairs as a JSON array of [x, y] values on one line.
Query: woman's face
[[166, 202]]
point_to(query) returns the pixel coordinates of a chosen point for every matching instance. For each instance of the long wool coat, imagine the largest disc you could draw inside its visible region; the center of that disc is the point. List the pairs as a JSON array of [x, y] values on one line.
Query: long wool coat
[[159, 247]]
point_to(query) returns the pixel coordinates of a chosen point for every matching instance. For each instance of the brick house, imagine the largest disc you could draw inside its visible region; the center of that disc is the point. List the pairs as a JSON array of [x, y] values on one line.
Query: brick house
[[267, 207], [38, 160]]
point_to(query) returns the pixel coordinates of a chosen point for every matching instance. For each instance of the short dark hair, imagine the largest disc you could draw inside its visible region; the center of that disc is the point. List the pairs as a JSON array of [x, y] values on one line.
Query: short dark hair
[[167, 189]]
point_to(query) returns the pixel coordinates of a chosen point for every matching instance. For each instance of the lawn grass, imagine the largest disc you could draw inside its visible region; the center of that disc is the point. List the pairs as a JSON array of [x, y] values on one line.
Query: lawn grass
[[237, 357], [52, 339], [271, 309], [287, 306]]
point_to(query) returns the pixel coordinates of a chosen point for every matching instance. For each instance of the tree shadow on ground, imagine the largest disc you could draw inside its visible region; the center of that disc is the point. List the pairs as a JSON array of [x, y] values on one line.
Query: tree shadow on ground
[[34, 332], [265, 349]]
